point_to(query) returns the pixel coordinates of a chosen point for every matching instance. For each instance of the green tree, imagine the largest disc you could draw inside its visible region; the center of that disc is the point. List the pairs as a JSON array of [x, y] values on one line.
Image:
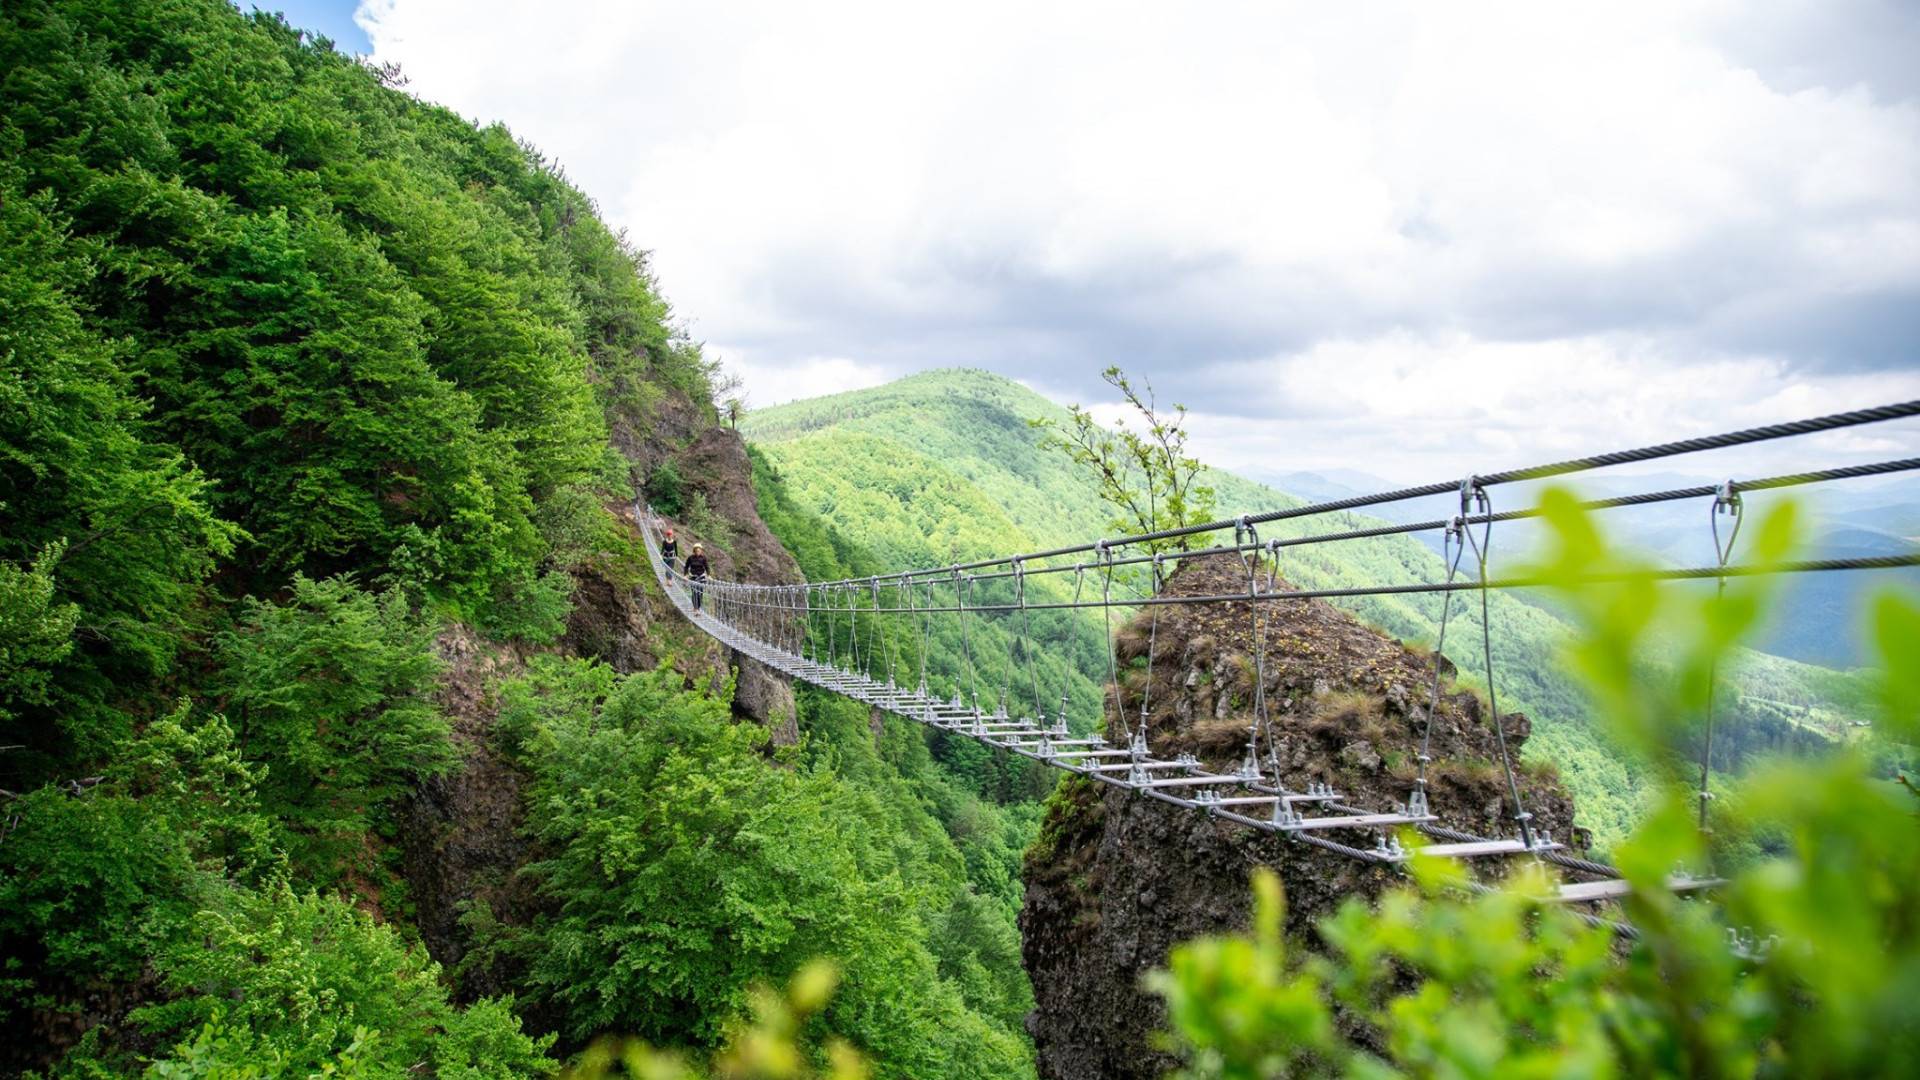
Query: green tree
[[127, 521], [99, 873], [330, 692], [36, 630], [302, 980], [687, 868], [665, 489], [1145, 475]]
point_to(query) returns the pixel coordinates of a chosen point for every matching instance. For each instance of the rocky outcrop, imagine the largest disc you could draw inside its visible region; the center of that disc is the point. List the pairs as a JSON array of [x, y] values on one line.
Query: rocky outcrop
[[461, 832], [1115, 879], [610, 620]]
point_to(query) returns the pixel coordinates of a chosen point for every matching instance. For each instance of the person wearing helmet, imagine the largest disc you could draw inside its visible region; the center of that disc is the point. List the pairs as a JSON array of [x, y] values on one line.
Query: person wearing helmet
[[669, 547], [696, 572]]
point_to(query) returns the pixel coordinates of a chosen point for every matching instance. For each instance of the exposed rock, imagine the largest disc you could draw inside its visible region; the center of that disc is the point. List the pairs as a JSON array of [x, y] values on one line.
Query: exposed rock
[[461, 832], [1116, 879], [1360, 754], [609, 622]]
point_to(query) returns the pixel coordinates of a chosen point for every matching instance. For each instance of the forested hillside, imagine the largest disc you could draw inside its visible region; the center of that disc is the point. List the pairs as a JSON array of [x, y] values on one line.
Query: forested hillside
[[341, 730], [943, 467]]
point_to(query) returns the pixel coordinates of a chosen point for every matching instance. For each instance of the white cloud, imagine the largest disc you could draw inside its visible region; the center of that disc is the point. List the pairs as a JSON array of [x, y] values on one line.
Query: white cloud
[[1608, 218], [1421, 410], [775, 382]]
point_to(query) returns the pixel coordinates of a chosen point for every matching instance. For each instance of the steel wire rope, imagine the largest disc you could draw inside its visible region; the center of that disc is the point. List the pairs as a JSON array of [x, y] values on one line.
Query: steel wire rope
[[966, 645], [1026, 649], [925, 625], [1614, 503], [1067, 665], [1113, 673], [1002, 711], [1471, 488], [1453, 541], [1250, 768], [913, 621], [876, 653], [1617, 502], [855, 665], [1264, 704], [830, 616], [1141, 733], [886, 639], [1851, 563], [1727, 500]]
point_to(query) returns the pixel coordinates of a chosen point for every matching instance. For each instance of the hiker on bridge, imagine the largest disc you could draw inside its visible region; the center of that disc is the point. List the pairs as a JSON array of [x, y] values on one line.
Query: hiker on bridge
[[697, 573], [669, 547]]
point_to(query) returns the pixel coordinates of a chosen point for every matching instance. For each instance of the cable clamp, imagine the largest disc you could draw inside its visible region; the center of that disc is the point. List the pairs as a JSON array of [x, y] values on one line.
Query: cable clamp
[[1472, 496], [1726, 500]]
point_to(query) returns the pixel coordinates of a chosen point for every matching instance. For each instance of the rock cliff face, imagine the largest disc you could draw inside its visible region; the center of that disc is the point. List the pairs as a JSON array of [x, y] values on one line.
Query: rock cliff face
[[1116, 879], [716, 466], [463, 832]]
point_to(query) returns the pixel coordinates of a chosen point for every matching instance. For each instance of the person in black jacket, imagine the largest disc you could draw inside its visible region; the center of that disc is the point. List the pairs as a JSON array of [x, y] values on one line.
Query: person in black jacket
[[697, 573], [669, 547]]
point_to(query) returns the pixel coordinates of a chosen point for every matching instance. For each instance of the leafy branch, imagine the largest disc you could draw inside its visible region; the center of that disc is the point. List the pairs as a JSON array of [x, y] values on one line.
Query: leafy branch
[[1146, 475]]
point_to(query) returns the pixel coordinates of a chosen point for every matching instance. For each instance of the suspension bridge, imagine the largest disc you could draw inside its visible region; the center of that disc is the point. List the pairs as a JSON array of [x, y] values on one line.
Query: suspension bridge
[[797, 629]]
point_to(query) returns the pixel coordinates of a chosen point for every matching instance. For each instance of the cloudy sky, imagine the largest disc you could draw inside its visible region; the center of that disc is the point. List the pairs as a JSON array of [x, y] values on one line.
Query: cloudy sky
[[1417, 241]]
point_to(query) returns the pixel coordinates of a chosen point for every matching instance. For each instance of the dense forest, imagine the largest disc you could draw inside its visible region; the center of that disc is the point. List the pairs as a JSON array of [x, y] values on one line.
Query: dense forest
[[944, 466], [322, 408]]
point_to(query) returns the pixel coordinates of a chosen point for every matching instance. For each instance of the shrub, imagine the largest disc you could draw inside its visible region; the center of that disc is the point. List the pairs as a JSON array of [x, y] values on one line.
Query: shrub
[[331, 692], [304, 980], [665, 489]]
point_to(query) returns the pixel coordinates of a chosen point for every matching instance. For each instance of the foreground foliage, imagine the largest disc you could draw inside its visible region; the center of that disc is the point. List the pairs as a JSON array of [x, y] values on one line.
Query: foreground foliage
[[1807, 963], [771, 1047]]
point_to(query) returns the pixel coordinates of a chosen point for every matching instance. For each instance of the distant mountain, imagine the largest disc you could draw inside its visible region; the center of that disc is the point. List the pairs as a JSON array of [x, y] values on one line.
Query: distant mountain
[[943, 466], [1820, 617], [1325, 485], [1900, 519]]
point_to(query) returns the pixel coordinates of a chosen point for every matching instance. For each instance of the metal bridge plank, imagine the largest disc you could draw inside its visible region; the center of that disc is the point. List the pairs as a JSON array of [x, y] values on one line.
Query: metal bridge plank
[[1354, 821]]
